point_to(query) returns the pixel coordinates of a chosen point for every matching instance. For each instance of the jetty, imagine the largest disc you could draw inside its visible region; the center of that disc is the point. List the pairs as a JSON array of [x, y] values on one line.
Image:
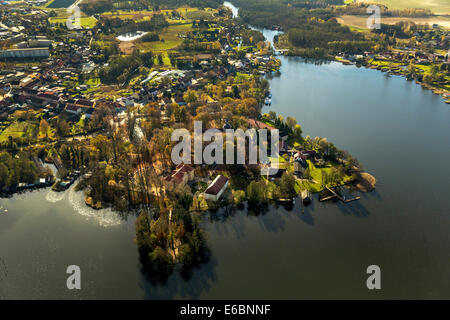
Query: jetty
[[339, 193]]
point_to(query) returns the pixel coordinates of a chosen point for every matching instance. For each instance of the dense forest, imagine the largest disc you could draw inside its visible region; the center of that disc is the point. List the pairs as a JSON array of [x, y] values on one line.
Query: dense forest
[[14, 170], [311, 26], [92, 7], [117, 25], [120, 67]]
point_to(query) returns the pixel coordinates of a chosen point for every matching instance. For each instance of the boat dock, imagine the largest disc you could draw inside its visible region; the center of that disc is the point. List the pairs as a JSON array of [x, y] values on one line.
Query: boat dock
[[339, 193]]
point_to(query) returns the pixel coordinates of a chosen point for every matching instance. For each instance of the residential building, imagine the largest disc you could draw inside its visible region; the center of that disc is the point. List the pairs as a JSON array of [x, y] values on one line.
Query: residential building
[[216, 188]]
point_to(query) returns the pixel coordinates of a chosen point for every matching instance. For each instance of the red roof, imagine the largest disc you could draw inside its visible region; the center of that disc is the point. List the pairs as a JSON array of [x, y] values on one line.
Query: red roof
[[259, 125], [72, 107], [217, 185], [184, 168], [178, 173], [85, 102]]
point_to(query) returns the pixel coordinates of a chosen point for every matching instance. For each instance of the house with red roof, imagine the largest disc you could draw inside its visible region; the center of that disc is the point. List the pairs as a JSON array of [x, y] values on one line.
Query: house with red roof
[[71, 108], [216, 188], [180, 176]]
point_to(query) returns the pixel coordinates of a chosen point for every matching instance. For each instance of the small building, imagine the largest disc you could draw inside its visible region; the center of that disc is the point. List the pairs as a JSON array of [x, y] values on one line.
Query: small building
[[299, 168], [71, 108], [180, 176], [216, 188]]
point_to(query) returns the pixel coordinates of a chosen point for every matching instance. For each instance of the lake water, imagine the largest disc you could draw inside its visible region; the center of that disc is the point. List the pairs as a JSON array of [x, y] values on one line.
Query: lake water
[[398, 131]]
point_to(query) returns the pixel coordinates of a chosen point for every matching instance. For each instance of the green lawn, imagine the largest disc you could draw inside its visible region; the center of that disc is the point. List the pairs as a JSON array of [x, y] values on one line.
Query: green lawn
[[316, 174], [16, 130], [170, 39], [86, 22]]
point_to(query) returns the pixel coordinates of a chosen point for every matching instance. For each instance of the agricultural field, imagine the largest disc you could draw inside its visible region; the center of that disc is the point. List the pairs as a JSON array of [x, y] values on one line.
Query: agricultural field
[[86, 22], [360, 22], [126, 14], [60, 3], [62, 15], [169, 39], [18, 129], [188, 14], [436, 6]]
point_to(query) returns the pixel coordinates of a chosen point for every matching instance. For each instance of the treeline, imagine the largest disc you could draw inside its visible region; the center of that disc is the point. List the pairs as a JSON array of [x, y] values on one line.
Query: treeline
[[317, 34], [401, 29], [117, 25], [121, 67], [150, 37], [92, 7], [192, 3], [361, 9], [251, 37], [97, 6], [311, 26], [14, 170]]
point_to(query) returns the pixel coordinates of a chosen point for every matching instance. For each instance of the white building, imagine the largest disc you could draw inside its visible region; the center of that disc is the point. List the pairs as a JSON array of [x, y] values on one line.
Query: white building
[[25, 53], [216, 188]]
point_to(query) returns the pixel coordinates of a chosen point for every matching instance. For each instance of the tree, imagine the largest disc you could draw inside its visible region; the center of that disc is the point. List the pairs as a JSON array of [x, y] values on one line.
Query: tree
[[43, 128], [256, 193], [291, 122], [158, 260], [62, 128], [190, 96], [297, 132], [287, 185], [4, 176]]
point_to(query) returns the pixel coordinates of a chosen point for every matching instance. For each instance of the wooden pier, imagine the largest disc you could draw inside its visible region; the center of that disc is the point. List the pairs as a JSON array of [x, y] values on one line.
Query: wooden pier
[[339, 195]]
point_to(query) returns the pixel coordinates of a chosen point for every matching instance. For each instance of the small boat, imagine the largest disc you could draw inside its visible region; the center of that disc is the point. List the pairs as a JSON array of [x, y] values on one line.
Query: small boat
[[306, 197], [268, 101], [269, 96]]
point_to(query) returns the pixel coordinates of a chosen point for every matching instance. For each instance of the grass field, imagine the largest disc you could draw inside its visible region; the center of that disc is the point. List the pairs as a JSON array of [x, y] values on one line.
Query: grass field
[[436, 6], [170, 37], [62, 15], [16, 129], [316, 175], [188, 14], [360, 22], [86, 22]]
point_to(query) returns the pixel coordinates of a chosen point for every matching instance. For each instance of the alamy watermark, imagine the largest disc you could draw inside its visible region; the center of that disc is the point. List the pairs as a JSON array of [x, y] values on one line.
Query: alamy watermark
[[74, 20], [374, 20], [374, 280], [74, 280], [213, 153]]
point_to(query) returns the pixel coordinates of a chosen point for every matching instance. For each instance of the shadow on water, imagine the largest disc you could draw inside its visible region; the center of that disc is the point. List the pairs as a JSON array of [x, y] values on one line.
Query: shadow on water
[[231, 219], [316, 62], [355, 209], [306, 217], [181, 284], [274, 221]]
